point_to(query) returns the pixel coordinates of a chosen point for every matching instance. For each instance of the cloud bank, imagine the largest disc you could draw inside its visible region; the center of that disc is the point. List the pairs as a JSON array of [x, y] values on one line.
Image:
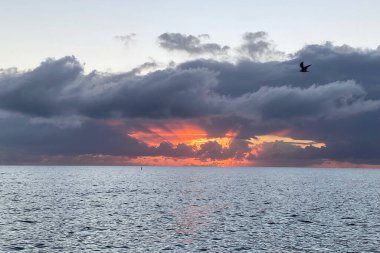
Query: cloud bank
[[56, 113]]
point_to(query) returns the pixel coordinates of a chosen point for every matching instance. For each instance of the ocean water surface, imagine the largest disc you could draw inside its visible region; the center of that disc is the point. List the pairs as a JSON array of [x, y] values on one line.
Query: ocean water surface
[[167, 209]]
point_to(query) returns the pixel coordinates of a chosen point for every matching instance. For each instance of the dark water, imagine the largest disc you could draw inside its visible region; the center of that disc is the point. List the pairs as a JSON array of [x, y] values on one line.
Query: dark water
[[124, 209]]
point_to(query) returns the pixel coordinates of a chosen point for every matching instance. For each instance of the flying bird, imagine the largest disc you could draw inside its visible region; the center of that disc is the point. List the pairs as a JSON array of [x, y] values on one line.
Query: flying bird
[[303, 67]]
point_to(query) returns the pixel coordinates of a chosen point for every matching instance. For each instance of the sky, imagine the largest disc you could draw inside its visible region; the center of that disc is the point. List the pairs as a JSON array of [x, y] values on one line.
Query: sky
[[212, 83]]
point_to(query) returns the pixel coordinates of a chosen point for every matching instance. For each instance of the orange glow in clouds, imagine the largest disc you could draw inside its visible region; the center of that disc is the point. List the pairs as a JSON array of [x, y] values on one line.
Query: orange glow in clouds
[[183, 132], [169, 161], [177, 133], [260, 139]]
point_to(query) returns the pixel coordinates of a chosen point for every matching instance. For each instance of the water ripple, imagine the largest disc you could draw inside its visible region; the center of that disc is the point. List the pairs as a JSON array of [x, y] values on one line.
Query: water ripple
[[124, 209]]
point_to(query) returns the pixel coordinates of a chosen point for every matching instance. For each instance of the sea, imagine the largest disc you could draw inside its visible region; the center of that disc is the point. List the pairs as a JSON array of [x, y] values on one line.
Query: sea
[[188, 209]]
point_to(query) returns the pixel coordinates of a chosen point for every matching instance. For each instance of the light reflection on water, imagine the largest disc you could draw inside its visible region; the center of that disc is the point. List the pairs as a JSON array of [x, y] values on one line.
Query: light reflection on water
[[124, 209]]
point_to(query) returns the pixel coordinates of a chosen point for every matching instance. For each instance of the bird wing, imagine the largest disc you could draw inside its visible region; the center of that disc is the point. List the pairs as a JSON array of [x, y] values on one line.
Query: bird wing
[[301, 65], [307, 66]]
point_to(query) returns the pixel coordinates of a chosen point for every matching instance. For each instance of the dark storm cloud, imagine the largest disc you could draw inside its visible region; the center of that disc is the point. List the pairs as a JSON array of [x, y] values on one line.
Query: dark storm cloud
[[337, 103], [161, 94], [188, 91], [329, 64], [352, 139], [333, 100], [89, 137], [238, 149], [245, 127], [280, 153], [34, 140], [169, 150], [40, 91], [58, 87], [190, 44]]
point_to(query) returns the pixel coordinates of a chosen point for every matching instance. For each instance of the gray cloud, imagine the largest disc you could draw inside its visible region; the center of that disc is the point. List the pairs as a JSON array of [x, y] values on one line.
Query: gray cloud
[[329, 101], [39, 92], [181, 92], [258, 47], [144, 67], [337, 103], [190, 44], [126, 39], [161, 94], [37, 141], [284, 154], [212, 150]]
